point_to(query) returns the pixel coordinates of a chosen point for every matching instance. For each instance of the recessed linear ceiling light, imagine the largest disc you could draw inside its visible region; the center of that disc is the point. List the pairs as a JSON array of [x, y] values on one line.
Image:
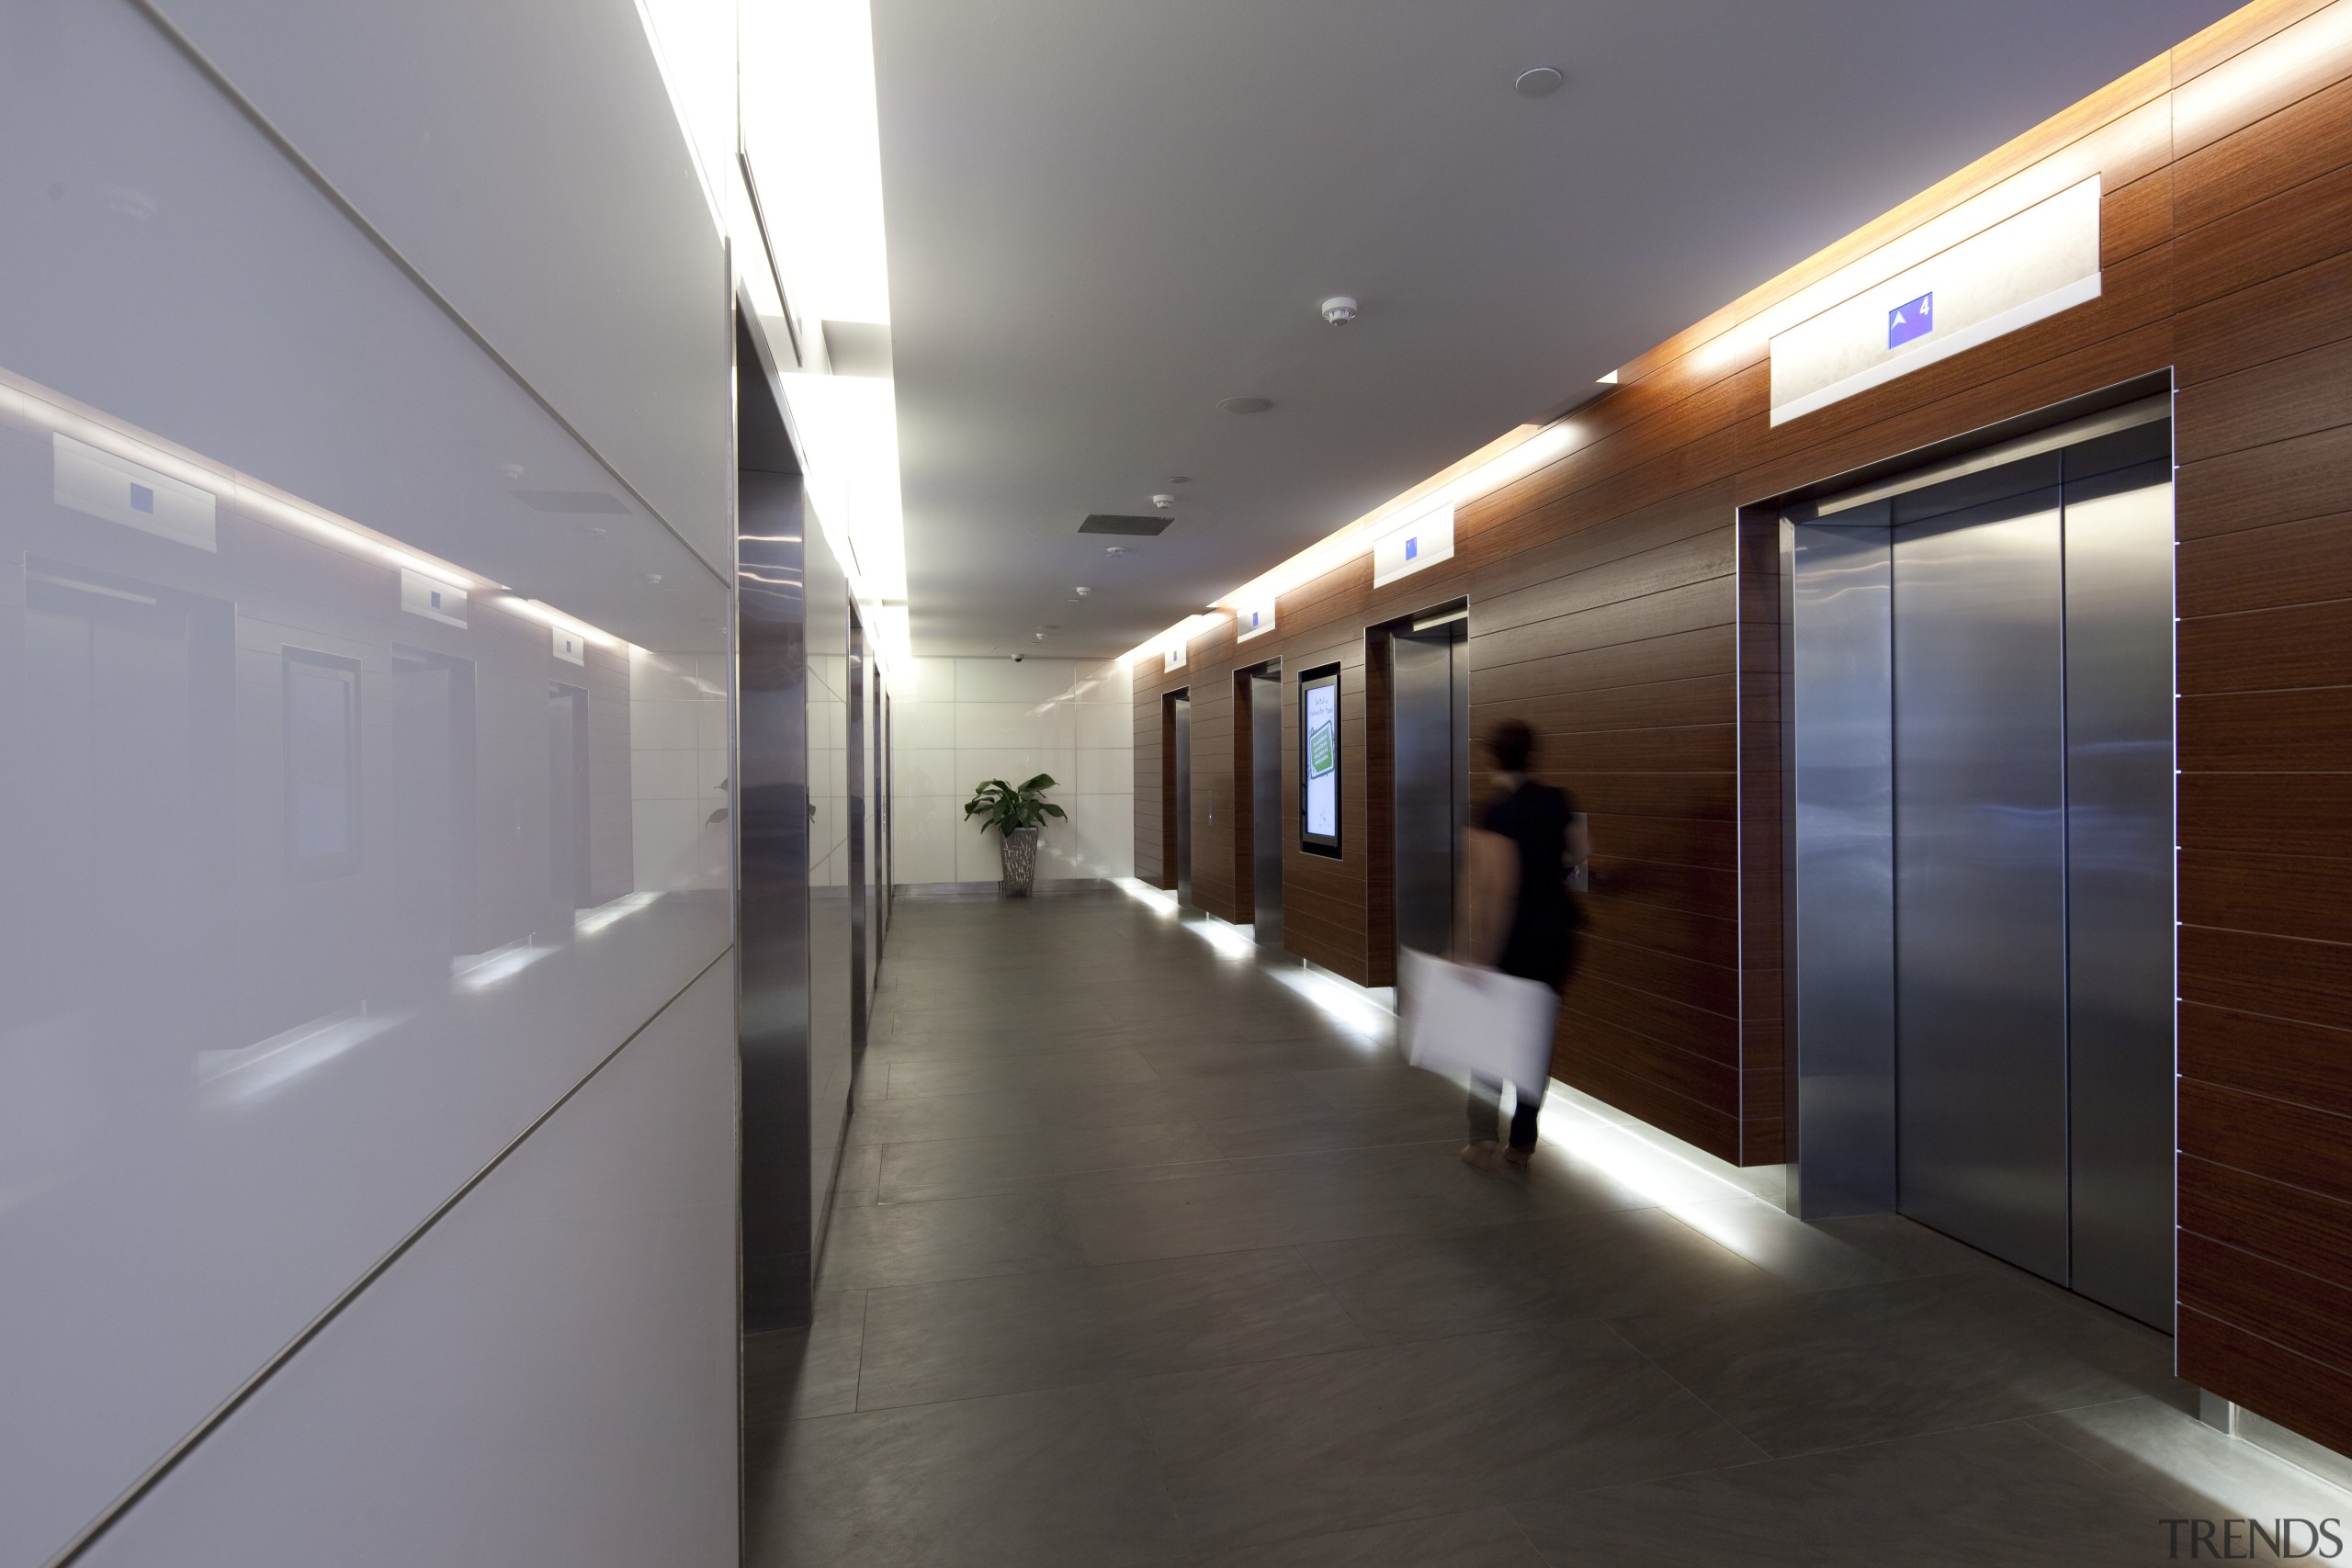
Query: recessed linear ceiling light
[[1536, 83], [1609, 379], [1245, 405]]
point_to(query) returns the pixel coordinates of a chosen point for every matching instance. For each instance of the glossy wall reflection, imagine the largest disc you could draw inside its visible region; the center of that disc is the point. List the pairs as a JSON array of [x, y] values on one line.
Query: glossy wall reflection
[[363, 790]]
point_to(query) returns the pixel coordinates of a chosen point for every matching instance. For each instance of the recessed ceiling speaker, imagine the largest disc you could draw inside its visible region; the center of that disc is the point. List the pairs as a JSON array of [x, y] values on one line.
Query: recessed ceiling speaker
[[1245, 405], [1536, 83]]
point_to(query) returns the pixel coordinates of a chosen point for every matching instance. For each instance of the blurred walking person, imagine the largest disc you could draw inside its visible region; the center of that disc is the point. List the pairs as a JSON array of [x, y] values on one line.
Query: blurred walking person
[[1519, 916]]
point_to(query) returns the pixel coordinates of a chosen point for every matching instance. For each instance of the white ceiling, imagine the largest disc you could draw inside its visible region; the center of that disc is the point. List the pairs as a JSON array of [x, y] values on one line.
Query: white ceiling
[[1106, 214]]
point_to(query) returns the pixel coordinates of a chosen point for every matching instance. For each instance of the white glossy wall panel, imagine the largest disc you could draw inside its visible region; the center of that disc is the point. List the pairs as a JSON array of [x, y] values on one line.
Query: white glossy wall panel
[[927, 772], [545, 1377], [277, 979], [926, 726], [499, 148], [1011, 721], [1003, 681], [931, 681], [927, 829]]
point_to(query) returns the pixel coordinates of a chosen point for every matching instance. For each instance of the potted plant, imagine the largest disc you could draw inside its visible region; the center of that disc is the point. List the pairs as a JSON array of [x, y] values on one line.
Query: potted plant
[[1016, 812]]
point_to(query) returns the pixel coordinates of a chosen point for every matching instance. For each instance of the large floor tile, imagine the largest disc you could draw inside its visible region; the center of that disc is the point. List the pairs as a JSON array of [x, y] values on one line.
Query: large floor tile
[[1063, 1478], [1487, 1538], [1329, 1108], [2159, 1445], [1606, 1265], [1833, 1368], [969, 1338], [1107, 1070], [1363, 1438], [792, 1372], [1219, 1057], [1807, 1257], [1908, 1248], [954, 1238], [1004, 1112], [1294, 1199], [2000, 1495], [958, 1167]]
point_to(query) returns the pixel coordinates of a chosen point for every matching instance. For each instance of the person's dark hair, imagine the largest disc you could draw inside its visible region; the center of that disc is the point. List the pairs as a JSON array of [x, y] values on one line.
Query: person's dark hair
[[1512, 743]]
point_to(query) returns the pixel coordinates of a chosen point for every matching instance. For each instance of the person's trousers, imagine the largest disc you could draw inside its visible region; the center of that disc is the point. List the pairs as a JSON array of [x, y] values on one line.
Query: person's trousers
[[1486, 1112]]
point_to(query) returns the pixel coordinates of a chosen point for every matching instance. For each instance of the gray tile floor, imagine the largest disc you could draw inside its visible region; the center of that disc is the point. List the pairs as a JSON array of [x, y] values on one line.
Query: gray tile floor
[[1140, 1257]]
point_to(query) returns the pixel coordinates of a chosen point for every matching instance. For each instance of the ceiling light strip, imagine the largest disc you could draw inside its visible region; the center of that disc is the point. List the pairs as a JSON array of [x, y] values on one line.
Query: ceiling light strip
[[1498, 463]]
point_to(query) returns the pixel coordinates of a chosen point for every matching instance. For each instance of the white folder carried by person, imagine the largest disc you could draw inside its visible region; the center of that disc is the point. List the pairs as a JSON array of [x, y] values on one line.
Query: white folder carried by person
[[1458, 1019]]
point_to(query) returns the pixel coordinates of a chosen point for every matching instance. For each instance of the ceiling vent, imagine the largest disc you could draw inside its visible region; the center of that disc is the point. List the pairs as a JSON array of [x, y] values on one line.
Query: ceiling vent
[[585, 503], [1110, 523]]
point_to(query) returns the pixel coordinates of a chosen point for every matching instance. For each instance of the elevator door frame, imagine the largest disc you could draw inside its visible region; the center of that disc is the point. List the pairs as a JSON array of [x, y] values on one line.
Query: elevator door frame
[[1838, 562], [1263, 687], [1178, 780]]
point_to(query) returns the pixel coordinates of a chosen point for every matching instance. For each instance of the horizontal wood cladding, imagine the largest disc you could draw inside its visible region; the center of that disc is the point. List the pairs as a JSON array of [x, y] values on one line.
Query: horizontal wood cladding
[[2270, 1218], [1626, 606], [2258, 1371], [2299, 1310], [2275, 1139], [2301, 1064], [2285, 895], [2268, 568]]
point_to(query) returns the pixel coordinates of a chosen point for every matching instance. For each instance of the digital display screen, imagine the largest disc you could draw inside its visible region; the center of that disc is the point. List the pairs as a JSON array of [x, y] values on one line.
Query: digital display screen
[[1318, 773]]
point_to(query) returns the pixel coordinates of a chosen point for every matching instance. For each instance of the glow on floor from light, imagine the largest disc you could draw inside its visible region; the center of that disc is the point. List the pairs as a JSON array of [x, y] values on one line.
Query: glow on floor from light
[[1345, 1005], [1230, 940], [1643, 1160], [1157, 899]]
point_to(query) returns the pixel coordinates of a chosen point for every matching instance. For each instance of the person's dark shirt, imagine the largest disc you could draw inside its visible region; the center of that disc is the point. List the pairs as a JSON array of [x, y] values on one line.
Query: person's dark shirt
[[1541, 942]]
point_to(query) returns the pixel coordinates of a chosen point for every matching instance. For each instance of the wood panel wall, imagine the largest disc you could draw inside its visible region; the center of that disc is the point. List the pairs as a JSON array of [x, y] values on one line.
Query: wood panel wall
[[1624, 602]]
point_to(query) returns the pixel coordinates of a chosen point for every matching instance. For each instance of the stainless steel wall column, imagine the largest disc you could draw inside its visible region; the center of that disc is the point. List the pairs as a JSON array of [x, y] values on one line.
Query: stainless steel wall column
[[773, 807], [2119, 904], [859, 755]]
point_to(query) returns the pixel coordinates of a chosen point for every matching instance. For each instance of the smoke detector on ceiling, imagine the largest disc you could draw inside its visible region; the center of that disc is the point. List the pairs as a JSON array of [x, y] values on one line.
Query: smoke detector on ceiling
[[1163, 500], [1339, 309]]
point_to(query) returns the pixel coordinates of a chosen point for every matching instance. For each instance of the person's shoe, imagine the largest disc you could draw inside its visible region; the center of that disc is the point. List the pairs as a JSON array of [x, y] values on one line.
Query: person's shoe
[[1480, 1153], [1516, 1158]]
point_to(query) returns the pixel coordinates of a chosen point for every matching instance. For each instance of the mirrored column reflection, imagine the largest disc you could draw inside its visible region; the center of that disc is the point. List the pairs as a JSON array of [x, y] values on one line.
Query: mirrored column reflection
[[279, 793]]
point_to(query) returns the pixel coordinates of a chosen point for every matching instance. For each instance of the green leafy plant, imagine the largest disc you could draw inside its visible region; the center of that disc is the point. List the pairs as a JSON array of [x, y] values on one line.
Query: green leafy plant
[[1007, 807]]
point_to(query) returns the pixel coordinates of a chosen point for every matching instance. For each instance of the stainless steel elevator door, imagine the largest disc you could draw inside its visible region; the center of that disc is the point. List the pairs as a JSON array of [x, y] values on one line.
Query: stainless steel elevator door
[[1266, 807], [1980, 876], [1180, 709], [2119, 881], [1428, 685], [1842, 897]]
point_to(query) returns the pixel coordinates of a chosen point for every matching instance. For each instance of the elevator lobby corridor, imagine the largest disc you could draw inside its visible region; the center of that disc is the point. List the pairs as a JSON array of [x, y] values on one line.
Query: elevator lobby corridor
[[1144, 1253]]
